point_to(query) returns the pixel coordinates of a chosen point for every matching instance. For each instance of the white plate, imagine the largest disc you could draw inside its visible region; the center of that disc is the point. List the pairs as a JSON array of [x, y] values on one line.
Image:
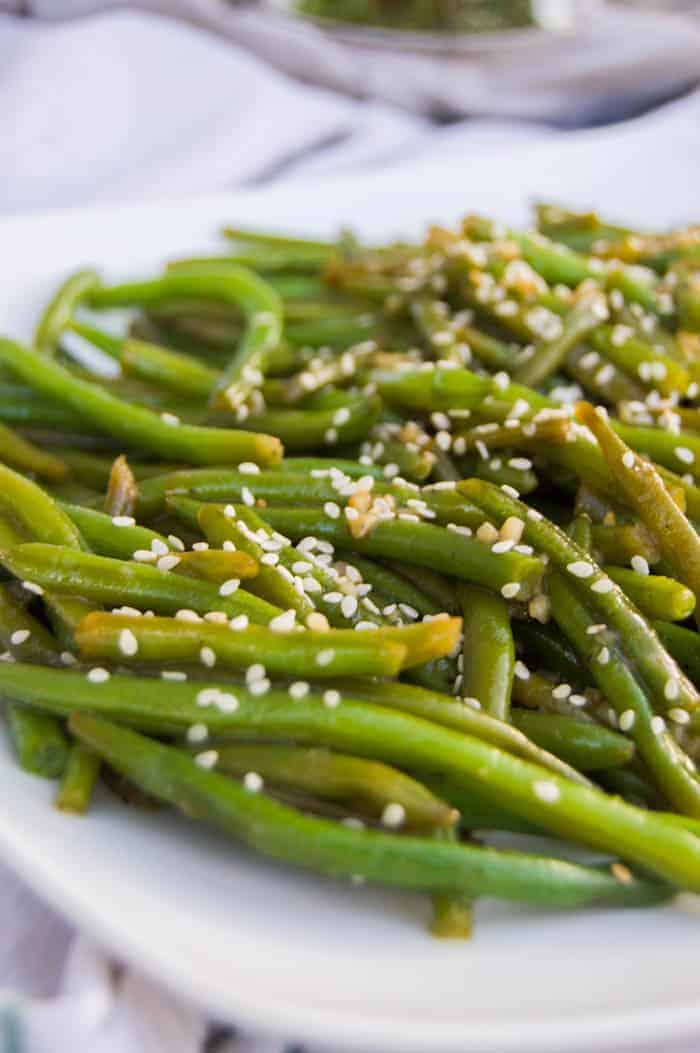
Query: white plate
[[274, 948]]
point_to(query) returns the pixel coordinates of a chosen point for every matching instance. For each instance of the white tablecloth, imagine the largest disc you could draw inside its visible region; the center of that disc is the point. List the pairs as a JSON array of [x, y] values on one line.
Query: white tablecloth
[[79, 124]]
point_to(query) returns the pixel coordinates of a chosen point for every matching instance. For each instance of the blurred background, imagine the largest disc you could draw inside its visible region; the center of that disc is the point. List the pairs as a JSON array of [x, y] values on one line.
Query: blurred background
[[103, 101]]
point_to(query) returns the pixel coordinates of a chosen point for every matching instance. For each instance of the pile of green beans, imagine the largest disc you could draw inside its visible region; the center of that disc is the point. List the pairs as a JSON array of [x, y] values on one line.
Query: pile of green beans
[[364, 554]]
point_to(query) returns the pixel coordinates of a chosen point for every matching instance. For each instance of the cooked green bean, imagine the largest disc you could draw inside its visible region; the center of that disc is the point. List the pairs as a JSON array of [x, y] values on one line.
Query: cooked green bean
[[588, 747], [58, 314], [488, 650], [78, 781]]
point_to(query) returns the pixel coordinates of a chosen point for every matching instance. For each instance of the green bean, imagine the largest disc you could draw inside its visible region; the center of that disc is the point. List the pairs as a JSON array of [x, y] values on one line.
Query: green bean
[[671, 769], [285, 652], [635, 355], [37, 514], [550, 354], [489, 651], [333, 849], [23, 636], [656, 597], [58, 314], [282, 242], [684, 645], [644, 491], [618, 543], [420, 543], [309, 428], [534, 691], [38, 740], [579, 812], [428, 390], [394, 586], [25, 456], [365, 787], [113, 582], [118, 539], [437, 587], [134, 424], [637, 638], [549, 650], [587, 747], [78, 781], [453, 915]]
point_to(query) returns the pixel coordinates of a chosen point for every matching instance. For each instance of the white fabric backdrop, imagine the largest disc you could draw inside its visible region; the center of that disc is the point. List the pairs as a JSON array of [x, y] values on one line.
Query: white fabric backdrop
[[187, 112]]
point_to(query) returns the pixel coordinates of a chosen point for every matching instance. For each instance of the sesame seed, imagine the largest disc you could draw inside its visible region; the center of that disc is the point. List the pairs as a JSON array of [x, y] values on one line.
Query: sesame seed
[[170, 419], [67, 658], [561, 691], [593, 630], [168, 562], [394, 815], [627, 719], [123, 521], [207, 760], [144, 555], [176, 542], [207, 657], [602, 585], [331, 698], [317, 622], [259, 687], [186, 615], [239, 623], [173, 674], [197, 733], [628, 459], [639, 564], [325, 657], [299, 689], [621, 873], [679, 716], [348, 606], [248, 468], [227, 588], [510, 590], [603, 655], [581, 569], [502, 546], [199, 546], [98, 675], [20, 636], [671, 690], [253, 782], [684, 454], [331, 509], [128, 644], [31, 586], [247, 497], [229, 511], [511, 492], [658, 725], [521, 671], [546, 791], [255, 672], [283, 623]]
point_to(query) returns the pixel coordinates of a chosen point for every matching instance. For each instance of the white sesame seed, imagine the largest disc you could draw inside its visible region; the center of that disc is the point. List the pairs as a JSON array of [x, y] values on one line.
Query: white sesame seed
[[168, 562], [247, 497], [283, 623], [394, 815], [173, 674], [602, 585], [176, 542], [627, 719], [123, 521], [253, 782], [207, 657], [255, 672], [185, 615], [20, 636], [144, 555], [603, 655], [521, 671], [197, 733], [67, 658], [510, 590], [593, 630], [628, 459], [98, 675], [581, 569], [658, 725], [331, 698], [671, 689], [248, 468], [259, 687], [239, 623], [227, 588], [299, 689], [348, 606], [207, 760], [546, 791], [325, 657], [128, 644], [170, 419], [639, 564], [199, 546], [684, 454], [561, 691], [331, 509], [502, 546], [679, 716]]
